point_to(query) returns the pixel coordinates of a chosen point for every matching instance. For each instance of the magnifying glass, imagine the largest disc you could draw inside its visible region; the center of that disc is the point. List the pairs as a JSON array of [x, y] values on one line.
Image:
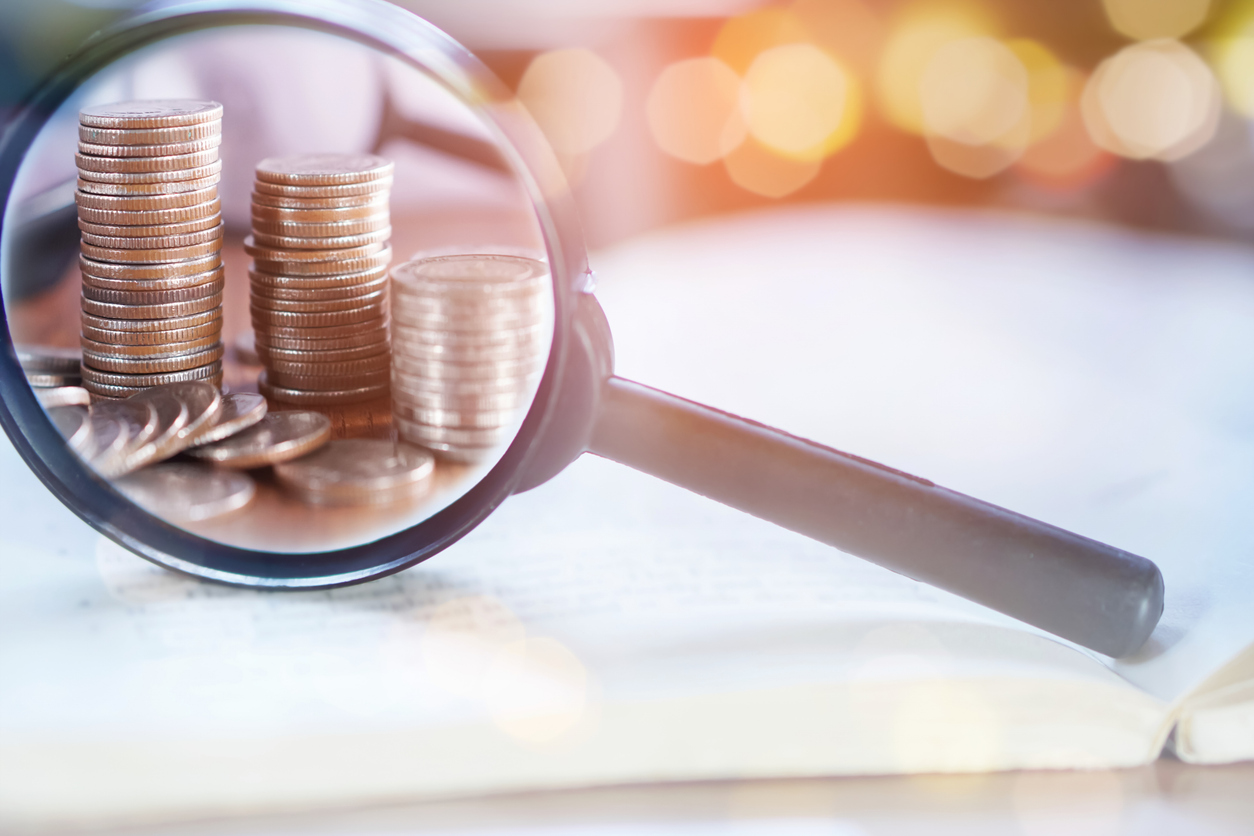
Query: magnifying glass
[[565, 403]]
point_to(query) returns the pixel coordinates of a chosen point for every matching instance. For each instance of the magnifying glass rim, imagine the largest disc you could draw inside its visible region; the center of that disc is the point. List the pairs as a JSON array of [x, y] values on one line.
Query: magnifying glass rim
[[388, 30]]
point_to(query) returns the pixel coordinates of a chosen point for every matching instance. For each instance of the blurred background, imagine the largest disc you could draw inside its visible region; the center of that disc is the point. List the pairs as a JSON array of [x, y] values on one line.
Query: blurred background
[[1136, 112]]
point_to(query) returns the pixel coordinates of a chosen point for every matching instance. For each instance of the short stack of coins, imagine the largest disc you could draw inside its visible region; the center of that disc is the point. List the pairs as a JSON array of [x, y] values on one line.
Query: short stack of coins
[[151, 227], [319, 287], [469, 341]]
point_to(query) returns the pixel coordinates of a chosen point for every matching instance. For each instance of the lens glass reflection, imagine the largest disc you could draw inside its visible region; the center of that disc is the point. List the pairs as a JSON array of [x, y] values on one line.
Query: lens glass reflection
[[307, 320]]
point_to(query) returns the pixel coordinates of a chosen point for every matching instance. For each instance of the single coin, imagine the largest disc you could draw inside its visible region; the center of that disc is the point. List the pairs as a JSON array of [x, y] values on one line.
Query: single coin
[[173, 336], [293, 294], [149, 365], [469, 354], [460, 453], [335, 229], [141, 189], [326, 382], [420, 432], [454, 307], [373, 330], [151, 256], [160, 349], [186, 410], [508, 322], [346, 281], [49, 380], [323, 169], [139, 424], [199, 265], [74, 424], [307, 192], [150, 230], [145, 165], [169, 149], [492, 275], [131, 178], [240, 411], [205, 236], [462, 419], [341, 214], [379, 196], [443, 370], [151, 113], [319, 269], [343, 471], [312, 364], [47, 358], [491, 386], [343, 243], [278, 437], [152, 297], [137, 381], [404, 398], [147, 312], [283, 358], [262, 318], [263, 253], [105, 391], [149, 136], [188, 492], [521, 337], [318, 305], [151, 325], [328, 398], [110, 438], [201, 201], [362, 345], [63, 396]]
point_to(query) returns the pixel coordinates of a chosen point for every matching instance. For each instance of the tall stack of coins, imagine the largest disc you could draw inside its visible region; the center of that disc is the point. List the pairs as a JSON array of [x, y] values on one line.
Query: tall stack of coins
[[468, 343], [151, 251], [319, 297]]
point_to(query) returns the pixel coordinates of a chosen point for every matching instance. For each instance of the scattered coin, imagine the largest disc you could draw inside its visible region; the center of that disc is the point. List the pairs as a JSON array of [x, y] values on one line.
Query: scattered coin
[[358, 472], [58, 396], [187, 492], [278, 437], [239, 412], [74, 424]]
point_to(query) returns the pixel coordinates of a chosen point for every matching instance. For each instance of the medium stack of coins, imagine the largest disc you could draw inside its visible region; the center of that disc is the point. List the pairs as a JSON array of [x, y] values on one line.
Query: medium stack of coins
[[152, 236], [319, 298], [468, 343]]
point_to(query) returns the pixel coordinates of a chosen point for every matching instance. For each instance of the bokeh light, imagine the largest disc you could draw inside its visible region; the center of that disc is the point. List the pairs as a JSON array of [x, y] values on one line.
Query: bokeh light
[[848, 29], [694, 110], [1144, 20], [575, 96], [915, 38], [1155, 99], [742, 39], [758, 169], [795, 99], [973, 91], [1050, 86], [537, 690], [1067, 158]]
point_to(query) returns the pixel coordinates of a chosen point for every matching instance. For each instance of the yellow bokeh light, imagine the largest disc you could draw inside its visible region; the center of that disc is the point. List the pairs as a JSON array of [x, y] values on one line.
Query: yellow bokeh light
[[915, 38], [973, 91], [1051, 85], [758, 169], [795, 99], [845, 28], [1234, 61], [694, 110], [1067, 158], [1145, 20], [742, 39], [1152, 100], [575, 97]]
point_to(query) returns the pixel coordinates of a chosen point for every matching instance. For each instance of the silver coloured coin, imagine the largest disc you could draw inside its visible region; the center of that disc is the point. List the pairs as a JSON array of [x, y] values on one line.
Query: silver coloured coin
[[422, 433], [465, 419], [359, 471], [503, 401], [514, 337], [74, 424], [443, 370], [513, 321], [472, 275], [468, 354], [461, 453], [63, 396], [239, 412], [277, 438], [497, 386], [187, 492]]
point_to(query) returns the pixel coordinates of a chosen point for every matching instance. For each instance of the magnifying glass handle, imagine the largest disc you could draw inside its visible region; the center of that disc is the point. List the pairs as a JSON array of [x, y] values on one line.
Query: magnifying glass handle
[[1090, 593]]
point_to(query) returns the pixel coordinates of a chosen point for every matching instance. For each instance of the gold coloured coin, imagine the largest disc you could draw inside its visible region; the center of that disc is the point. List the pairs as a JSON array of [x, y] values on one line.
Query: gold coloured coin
[[314, 203], [151, 256], [96, 269], [149, 136], [328, 270], [298, 356], [145, 165], [139, 178], [374, 330], [92, 377], [158, 349], [278, 437], [297, 397], [261, 291], [340, 244], [144, 312], [264, 253], [199, 201], [336, 229], [317, 192], [189, 239], [174, 336], [322, 383], [152, 365], [152, 113], [365, 343], [324, 169], [172, 149], [377, 297], [147, 189], [148, 230], [104, 391], [152, 297], [312, 365], [272, 214], [152, 325], [262, 318]]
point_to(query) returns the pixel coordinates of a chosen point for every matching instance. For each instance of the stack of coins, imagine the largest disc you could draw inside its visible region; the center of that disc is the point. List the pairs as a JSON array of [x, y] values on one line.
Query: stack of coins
[[319, 298], [152, 235], [468, 343]]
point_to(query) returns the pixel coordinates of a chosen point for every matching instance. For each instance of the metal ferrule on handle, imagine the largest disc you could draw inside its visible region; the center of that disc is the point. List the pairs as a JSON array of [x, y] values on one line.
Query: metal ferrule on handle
[[1097, 596]]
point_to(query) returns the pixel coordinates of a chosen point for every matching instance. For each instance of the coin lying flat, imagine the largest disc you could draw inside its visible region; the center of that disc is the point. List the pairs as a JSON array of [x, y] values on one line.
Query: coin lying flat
[[299, 397], [342, 243], [158, 188], [187, 492], [139, 381], [153, 297], [186, 205], [161, 224], [94, 165], [280, 356], [239, 412], [149, 136], [132, 178], [200, 266], [150, 364], [261, 187], [323, 169], [52, 359], [277, 438], [164, 149], [151, 113], [358, 472], [57, 396]]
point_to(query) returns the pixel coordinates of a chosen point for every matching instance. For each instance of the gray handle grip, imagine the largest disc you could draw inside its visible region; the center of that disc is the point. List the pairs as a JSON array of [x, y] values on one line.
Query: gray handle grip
[[1090, 593]]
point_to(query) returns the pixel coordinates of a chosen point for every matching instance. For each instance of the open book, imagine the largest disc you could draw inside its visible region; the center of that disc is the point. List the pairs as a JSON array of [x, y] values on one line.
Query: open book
[[609, 628]]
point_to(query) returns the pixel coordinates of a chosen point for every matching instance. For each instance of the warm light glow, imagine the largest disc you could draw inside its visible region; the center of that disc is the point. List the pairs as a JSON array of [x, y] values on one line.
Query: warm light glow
[[1067, 158], [575, 97], [973, 91], [462, 639], [758, 169], [1154, 99], [910, 48], [794, 99], [742, 39], [1050, 86], [978, 162], [1234, 61], [536, 690], [1144, 20], [694, 110], [847, 29]]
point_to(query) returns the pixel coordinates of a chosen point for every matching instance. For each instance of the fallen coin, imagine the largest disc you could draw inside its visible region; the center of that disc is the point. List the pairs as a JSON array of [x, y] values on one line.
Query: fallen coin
[[239, 412], [358, 471], [187, 492], [277, 438]]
